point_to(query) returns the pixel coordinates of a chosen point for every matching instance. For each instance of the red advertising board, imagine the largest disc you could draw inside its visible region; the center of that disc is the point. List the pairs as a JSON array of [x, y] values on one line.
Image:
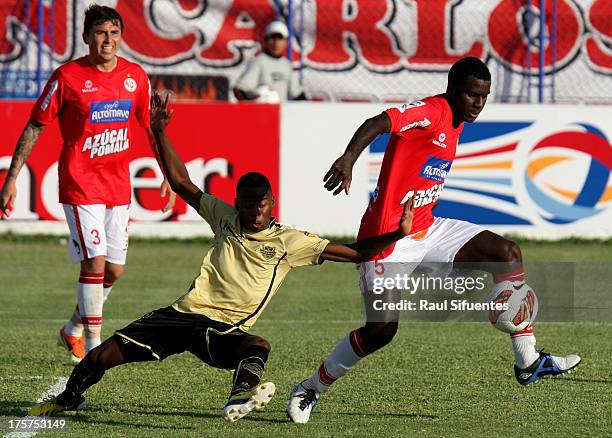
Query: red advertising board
[[219, 142]]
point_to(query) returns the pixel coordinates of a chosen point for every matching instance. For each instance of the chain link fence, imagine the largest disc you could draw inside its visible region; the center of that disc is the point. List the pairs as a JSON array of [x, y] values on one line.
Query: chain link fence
[[343, 50]]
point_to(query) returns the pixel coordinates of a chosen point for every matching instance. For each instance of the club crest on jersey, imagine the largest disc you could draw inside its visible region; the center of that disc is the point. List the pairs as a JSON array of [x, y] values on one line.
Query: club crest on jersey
[[130, 84], [435, 169], [440, 140], [267, 251], [110, 111]]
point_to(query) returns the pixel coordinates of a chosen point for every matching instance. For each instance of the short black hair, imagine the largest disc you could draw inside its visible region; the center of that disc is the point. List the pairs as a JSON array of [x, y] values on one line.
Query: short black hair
[[96, 14], [254, 181], [466, 67]]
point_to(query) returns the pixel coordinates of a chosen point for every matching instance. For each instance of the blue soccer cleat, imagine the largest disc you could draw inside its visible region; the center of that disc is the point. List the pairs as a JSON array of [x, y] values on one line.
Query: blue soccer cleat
[[546, 365]]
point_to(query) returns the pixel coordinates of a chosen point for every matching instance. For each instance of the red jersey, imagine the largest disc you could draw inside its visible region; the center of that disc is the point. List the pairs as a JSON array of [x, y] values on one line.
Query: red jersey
[[96, 112], [418, 157]]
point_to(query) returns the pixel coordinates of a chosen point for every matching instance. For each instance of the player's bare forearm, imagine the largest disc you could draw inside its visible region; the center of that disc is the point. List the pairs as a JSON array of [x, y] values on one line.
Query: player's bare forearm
[[366, 249], [29, 136], [365, 134], [153, 144], [339, 176], [362, 250], [175, 170]]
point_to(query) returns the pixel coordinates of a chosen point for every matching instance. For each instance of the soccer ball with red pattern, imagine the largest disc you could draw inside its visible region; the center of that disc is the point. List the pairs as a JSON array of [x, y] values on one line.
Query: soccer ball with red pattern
[[521, 303]]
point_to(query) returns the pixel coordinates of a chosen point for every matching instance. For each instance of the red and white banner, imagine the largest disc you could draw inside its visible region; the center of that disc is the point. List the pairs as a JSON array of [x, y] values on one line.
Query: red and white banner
[[371, 50], [218, 143]]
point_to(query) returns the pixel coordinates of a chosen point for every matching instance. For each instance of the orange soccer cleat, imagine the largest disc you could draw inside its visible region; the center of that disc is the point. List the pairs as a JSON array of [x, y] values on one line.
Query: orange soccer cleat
[[74, 344]]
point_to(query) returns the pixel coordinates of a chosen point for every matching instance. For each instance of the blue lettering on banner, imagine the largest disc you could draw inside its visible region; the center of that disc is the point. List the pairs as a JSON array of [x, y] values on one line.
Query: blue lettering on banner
[[435, 169], [110, 111]]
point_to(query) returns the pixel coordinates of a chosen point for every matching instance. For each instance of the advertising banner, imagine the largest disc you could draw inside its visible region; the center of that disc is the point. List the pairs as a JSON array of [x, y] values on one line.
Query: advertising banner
[[538, 171], [218, 142]]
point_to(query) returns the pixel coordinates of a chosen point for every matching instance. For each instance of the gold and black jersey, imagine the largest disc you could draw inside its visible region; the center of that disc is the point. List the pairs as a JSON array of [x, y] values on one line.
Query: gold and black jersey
[[243, 270]]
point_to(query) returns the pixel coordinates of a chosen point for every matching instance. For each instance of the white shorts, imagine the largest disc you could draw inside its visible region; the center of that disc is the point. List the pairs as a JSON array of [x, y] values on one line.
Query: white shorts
[[96, 230], [442, 241]]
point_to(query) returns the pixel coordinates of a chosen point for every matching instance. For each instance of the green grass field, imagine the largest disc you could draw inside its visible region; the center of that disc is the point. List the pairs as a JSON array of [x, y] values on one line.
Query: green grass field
[[435, 379]]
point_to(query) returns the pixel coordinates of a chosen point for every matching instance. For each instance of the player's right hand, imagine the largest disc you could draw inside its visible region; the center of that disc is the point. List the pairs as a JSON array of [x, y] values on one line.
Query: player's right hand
[[405, 224], [7, 197], [339, 176]]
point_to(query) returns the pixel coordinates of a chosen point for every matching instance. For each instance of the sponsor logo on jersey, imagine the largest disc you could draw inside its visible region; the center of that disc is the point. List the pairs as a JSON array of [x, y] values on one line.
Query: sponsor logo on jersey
[[52, 89], [407, 106], [130, 84], [424, 197], [435, 169], [106, 143], [418, 124], [110, 111], [440, 140], [88, 87]]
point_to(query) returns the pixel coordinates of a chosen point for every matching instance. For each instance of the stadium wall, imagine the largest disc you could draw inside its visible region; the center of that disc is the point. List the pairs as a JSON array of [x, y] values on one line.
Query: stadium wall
[[535, 171]]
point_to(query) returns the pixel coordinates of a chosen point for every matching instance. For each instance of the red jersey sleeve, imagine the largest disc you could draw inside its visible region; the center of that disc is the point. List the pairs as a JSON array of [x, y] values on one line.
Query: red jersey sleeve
[[417, 114], [49, 104], [143, 101]]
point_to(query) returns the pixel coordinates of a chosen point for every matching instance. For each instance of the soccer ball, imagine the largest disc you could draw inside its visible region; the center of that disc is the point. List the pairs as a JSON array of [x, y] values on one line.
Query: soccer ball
[[266, 94], [522, 304]]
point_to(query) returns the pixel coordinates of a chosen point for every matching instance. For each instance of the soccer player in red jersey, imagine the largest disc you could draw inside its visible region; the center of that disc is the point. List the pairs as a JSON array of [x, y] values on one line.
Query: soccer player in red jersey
[[96, 99], [424, 136]]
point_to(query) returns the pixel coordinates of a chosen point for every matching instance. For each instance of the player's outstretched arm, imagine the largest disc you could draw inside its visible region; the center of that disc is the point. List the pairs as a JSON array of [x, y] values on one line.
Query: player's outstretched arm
[[171, 163], [165, 188], [339, 176], [27, 140], [366, 249]]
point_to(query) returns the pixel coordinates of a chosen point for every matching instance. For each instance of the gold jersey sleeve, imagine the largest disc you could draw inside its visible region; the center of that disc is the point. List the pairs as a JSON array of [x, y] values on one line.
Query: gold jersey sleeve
[[212, 209], [303, 248]]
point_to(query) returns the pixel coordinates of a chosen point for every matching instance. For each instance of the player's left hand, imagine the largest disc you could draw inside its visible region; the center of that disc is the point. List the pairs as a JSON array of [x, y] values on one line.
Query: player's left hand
[[405, 224], [166, 190]]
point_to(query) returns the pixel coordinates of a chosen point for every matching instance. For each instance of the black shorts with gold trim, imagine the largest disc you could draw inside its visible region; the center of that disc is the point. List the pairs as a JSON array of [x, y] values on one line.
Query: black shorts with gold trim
[[167, 331]]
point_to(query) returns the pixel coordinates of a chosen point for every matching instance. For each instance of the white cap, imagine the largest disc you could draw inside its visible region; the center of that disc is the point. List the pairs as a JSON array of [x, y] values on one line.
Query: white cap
[[277, 27]]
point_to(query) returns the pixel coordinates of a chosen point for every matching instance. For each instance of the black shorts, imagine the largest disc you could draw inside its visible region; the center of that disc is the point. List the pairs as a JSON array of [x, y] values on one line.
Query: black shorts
[[167, 331]]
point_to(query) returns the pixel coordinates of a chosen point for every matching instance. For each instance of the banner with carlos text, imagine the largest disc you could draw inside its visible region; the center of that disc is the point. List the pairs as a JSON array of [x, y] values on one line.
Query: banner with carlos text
[[358, 50], [217, 142]]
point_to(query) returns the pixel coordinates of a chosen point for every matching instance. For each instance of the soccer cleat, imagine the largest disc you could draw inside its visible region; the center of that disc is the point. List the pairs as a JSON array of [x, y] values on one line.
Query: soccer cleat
[[546, 365], [74, 344], [51, 407], [301, 403], [244, 402]]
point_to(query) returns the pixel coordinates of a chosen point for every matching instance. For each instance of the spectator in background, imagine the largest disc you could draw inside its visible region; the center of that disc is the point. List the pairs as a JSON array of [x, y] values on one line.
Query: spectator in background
[[270, 77]]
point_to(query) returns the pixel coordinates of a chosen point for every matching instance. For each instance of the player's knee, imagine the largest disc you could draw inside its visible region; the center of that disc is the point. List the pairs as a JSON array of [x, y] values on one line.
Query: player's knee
[[94, 264], [388, 332], [112, 272], [377, 335], [261, 342], [256, 341], [104, 356], [95, 358]]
